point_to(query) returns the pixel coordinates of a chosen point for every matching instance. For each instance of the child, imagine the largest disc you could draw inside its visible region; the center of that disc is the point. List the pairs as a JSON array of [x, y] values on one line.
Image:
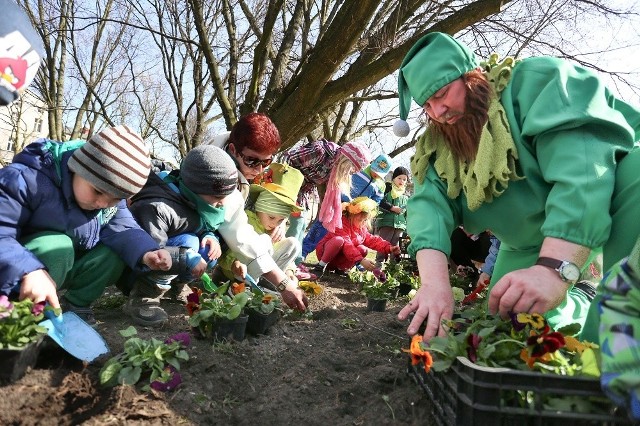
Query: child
[[271, 203], [181, 211], [368, 182], [391, 221], [65, 223], [323, 164], [347, 246]]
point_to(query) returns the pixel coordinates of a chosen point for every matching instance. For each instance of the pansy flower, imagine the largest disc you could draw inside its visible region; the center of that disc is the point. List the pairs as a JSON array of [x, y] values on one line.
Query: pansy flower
[[172, 381], [38, 308], [193, 301], [183, 338], [574, 345], [473, 342], [310, 288], [419, 355], [536, 321], [544, 343], [5, 306], [237, 288], [380, 275]]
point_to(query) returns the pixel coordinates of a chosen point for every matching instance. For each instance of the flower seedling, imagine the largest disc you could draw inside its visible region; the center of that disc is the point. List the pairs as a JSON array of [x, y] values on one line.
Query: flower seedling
[[19, 322], [159, 361]]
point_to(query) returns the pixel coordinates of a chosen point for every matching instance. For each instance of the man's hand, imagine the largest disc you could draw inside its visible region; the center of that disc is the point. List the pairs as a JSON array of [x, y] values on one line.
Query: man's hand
[[537, 289], [157, 260], [433, 304], [215, 251], [38, 286]]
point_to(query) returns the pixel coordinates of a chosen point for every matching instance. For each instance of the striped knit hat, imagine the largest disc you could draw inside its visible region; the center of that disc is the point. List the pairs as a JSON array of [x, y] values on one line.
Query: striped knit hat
[[358, 153], [115, 160]]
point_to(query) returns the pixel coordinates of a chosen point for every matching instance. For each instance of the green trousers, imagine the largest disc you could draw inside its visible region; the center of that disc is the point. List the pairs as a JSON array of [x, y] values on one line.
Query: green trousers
[[84, 275]]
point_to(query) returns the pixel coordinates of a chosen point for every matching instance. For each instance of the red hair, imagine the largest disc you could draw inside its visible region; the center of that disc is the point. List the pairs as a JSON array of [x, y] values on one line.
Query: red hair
[[257, 132]]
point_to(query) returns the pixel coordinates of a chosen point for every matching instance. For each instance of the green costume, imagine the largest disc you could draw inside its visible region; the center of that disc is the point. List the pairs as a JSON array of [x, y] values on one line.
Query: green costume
[[574, 174]]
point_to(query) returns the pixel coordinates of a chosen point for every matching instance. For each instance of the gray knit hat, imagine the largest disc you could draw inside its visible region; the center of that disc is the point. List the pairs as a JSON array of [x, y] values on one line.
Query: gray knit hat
[[115, 160], [209, 170]]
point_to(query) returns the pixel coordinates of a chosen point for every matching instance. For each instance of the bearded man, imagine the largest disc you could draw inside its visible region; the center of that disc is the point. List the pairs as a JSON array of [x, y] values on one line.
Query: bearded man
[[537, 151]]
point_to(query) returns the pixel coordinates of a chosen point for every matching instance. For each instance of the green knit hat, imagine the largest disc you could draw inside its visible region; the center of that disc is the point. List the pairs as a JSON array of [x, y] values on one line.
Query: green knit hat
[[434, 61]]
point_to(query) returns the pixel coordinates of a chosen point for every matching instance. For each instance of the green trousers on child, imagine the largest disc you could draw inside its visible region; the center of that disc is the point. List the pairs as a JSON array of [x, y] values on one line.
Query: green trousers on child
[[83, 276]]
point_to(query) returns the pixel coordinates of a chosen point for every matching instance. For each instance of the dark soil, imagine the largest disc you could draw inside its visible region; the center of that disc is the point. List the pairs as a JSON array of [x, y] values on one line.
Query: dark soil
[[344, 367]]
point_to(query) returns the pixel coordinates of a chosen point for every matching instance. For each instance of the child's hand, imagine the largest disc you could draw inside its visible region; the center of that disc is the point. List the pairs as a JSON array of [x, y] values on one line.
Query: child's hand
[[278, 233], [38, 286], [199, 269], [239, 269], [395, 250], [396, 210], [214, 247], [157, 260], [367, 264]]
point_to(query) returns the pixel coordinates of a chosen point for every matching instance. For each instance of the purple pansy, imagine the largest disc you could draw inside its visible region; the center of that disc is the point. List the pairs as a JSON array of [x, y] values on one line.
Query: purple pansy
[[38, 308], [5, 306], [183, 338], [173, 382]]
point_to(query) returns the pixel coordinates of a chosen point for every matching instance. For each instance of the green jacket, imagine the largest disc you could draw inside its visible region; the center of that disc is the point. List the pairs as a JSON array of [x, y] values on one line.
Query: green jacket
[[391, 219], [571, 133]]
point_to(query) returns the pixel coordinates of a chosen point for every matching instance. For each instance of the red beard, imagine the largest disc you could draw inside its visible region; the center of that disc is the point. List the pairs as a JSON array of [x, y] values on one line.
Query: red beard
[[463, 136]]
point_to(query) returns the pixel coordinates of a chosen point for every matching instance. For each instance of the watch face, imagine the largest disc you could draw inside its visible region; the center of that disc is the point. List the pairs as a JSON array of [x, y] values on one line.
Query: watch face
[[569, 272]]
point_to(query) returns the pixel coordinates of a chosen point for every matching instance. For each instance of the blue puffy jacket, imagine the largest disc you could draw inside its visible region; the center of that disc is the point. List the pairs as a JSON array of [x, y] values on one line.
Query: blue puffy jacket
[[36, 195]]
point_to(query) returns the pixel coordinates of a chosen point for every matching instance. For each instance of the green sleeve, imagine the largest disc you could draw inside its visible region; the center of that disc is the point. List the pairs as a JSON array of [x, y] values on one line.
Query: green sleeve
[[578, 131], [431, 215]]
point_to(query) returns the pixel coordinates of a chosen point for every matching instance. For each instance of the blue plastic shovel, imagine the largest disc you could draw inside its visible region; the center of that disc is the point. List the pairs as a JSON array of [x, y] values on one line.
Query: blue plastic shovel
[[74, 335]]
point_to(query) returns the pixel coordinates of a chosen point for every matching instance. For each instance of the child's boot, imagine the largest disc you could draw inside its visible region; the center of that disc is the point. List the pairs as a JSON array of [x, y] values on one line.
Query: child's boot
[[144, 303]]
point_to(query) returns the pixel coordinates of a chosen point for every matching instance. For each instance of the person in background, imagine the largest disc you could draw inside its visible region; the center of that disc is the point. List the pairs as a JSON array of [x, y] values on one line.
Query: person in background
[[21, 52], [251, 144], [391, 221], [538, 151], [65, 223], [349, 245], [181, 211], [271, 202], [324, 164]]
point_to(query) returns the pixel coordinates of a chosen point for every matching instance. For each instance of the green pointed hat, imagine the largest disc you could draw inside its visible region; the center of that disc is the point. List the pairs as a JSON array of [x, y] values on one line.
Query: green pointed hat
[[434, 61]]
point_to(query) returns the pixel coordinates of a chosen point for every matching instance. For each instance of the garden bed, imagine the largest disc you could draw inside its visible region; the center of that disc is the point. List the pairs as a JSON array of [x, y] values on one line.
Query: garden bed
[[343, 367]]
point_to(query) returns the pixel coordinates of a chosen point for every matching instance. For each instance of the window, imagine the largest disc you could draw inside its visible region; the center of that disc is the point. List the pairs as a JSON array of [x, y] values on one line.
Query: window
[[37, 127], [10, 144]]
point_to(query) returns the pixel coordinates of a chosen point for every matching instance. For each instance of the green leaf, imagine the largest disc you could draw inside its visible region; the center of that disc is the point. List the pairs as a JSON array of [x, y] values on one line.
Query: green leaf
[[129, 331], [570, 330], [589, 363], [109, 373], [129, 375]]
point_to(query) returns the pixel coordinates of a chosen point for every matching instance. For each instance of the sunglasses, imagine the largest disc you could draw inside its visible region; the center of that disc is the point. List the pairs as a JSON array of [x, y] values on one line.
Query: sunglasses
[[254, 162]]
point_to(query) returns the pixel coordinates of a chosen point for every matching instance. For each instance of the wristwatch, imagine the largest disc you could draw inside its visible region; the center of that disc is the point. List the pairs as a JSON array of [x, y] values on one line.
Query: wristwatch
[[283, 285], [568, 271]]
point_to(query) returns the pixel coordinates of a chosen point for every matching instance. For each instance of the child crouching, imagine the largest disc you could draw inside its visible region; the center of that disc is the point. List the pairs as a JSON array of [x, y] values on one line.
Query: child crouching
[[270, 203], [348, 246]]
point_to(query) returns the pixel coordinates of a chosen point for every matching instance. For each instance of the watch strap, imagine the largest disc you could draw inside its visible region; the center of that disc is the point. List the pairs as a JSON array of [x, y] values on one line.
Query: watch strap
[[549, 262]]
